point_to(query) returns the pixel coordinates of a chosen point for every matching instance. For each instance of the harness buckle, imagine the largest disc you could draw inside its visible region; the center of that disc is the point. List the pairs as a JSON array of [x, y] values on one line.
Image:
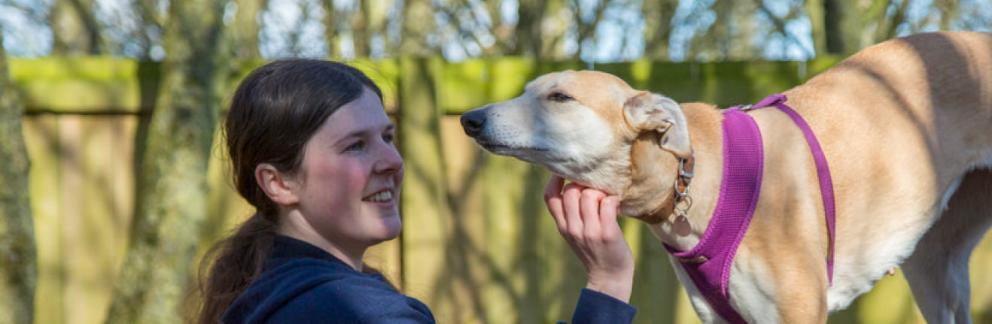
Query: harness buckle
[[683, 172], [683, 179], [747, 107], [683, 192]]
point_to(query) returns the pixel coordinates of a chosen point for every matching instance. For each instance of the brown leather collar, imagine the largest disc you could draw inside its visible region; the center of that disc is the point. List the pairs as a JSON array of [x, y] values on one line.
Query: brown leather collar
[[680, 191]]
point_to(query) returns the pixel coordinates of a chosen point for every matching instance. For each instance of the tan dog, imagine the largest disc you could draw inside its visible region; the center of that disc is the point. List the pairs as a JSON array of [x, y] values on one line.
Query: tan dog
[[906, 127]]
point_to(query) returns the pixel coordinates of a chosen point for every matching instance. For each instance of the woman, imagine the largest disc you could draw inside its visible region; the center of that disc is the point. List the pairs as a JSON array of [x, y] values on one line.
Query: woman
[[311, 149]]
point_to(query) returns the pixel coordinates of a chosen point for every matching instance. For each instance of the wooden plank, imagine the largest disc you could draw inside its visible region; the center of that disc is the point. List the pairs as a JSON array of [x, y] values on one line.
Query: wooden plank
[[96, 188], [70, 131], [97, 201], [42, 141], [86, 85]]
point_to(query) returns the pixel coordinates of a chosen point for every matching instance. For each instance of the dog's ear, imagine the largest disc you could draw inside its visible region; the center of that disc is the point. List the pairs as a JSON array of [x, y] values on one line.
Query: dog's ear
[[650, 112]]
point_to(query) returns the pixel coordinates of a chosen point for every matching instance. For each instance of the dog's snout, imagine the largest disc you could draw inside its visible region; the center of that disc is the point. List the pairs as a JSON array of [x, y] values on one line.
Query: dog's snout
[[473, 122]]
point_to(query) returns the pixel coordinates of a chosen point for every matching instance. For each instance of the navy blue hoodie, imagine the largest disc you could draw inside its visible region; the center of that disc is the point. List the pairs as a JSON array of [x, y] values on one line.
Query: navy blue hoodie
[[304, 284]]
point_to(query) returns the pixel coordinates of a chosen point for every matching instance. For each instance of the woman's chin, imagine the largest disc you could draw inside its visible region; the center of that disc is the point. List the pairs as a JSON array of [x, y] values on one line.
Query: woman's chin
[[392, 226]]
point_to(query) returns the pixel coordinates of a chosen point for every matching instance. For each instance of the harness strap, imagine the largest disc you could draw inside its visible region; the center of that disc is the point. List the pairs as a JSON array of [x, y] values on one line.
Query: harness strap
[[822, 171], [708, 263]]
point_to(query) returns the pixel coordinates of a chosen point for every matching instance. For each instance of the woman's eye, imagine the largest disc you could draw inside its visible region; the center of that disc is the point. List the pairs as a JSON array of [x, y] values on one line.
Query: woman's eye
[[357, 146], [388, 137], [559, 97]]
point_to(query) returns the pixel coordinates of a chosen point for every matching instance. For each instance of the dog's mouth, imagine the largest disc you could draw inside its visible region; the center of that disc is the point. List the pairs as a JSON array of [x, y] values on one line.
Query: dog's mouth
[[507, 149]]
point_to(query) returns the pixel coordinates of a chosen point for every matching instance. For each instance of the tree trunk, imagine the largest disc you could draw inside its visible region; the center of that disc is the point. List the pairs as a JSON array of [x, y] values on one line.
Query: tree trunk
[[887, 25], [851, 25], [360, 35], [553, 29], [833, 15], [658, 16], [330, 28], [18, 259], [244, 35], [171, 197], [74, 28], [814, 9], [728, 37], [418, 22], [528, 34], [948, 12]]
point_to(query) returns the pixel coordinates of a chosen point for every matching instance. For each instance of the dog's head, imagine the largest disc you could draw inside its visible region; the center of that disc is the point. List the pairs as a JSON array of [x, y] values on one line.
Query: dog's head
[[580, 125]]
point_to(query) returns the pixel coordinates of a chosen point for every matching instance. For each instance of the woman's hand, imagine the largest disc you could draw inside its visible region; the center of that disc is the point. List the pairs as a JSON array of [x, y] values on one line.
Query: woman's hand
[[587, 219]]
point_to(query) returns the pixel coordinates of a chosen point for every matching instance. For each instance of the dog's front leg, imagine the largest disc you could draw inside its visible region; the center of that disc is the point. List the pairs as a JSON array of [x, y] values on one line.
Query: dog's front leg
[[778, 289]]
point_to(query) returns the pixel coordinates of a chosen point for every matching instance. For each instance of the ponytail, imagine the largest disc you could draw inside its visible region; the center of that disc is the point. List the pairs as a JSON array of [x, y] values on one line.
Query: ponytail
[[238, 260]]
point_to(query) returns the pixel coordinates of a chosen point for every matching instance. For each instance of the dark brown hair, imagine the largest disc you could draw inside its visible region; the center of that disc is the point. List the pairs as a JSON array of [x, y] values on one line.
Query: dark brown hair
[[274, 112]]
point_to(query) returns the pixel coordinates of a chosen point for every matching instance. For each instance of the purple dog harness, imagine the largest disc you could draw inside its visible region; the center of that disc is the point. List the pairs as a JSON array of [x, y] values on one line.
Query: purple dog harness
[[708, 263]]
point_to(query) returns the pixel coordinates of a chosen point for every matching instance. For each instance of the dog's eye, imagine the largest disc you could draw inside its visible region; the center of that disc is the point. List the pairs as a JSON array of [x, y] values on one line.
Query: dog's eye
[[559, 97]]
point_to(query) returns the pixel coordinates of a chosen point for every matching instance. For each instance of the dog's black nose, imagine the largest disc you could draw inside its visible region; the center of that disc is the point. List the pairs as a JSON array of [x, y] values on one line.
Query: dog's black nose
[[474, 121]]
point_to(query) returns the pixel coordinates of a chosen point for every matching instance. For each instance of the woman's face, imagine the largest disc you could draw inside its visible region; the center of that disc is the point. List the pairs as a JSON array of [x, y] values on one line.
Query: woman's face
[[351, 175]]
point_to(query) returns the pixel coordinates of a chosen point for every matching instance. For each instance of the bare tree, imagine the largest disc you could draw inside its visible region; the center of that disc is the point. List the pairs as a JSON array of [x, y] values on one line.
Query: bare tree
[[729, 36], [171, 193], [850, 25], [779, 24], [501, 31], [529, 38], [18, 258], [887, 24], [658, 27], [330, 22], [74, 28], [378, 13], [586, 25], [150, 22], [362, 21], [244, 31], [361, 15], [417, 25], [948, 10]]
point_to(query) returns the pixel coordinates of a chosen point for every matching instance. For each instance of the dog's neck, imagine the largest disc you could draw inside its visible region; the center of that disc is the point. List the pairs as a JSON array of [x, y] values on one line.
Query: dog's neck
[[650, 195]]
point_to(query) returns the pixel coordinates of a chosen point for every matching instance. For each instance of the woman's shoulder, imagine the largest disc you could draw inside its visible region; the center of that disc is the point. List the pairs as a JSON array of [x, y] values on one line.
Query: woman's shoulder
[[286, 283], [358, 299]]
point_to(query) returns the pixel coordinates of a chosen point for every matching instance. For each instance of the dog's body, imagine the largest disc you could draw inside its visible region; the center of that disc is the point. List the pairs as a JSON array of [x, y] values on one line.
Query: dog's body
[[906, 127]]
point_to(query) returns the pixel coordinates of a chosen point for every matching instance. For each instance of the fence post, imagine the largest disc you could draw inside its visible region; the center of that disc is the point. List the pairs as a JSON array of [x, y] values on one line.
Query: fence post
[[423, 204]]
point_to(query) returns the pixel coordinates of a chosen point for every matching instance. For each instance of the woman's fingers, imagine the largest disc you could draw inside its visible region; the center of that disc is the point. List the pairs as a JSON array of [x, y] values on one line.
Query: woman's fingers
[[608, 217], [573, 219], [553, 199], [589, 204], [553, 188]]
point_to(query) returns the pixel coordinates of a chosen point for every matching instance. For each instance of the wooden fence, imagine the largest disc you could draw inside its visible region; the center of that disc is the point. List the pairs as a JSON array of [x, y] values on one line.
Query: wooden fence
[[477, 244]]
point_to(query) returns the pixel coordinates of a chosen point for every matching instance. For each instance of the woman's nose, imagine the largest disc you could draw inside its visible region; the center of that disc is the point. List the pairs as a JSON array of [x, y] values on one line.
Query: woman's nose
[[389, 160]]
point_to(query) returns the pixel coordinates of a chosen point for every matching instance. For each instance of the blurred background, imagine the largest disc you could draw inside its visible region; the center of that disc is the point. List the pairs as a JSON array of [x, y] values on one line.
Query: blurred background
[[115, 181]]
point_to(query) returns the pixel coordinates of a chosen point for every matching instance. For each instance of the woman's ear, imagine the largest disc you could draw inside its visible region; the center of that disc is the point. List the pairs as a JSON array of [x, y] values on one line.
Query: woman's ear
[[278, 186], [649, 112]]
